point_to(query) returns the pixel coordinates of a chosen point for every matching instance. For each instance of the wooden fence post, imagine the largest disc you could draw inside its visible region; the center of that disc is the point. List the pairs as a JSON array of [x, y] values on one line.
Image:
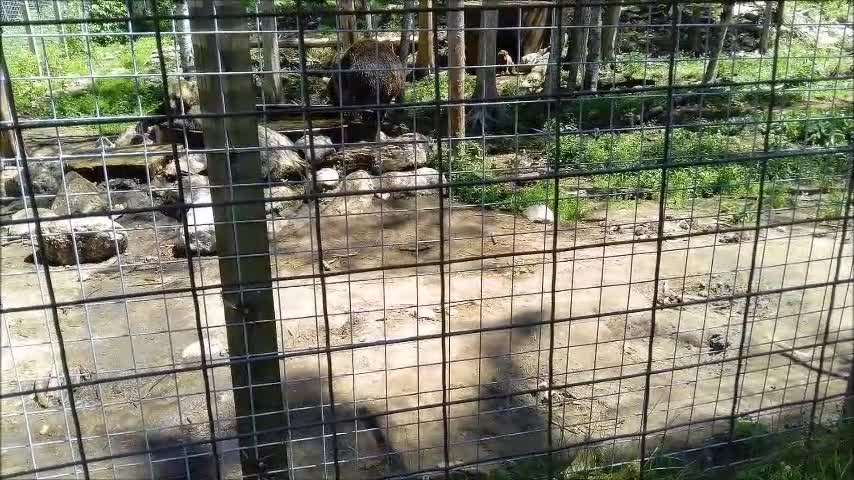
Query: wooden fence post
[[241, 232]]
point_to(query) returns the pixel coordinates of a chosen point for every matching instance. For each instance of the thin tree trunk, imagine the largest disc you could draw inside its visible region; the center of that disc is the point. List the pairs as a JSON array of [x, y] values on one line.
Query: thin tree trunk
[[406, 35], [552, 71], [694, 33], [236, 176], [766, 28], [457, 68], [487, 87], [536, 22], [369, 19], [718, 46], [425, 59], [272, 81], [609, 31], [185, 40], [578, 43], [346, 24], [594, 46]]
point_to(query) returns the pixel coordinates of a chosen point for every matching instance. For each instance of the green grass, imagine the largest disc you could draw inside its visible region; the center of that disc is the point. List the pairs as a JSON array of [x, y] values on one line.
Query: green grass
[[104, 97], [424, 90]]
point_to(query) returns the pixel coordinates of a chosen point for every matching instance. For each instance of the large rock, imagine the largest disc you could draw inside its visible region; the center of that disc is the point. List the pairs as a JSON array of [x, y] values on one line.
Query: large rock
[[200, 223], [79, 195], [539, 214], [322, 148], [46, 178], [327, 178], [25, 229], [193, 163], [90, 239], [359, 181], [422, 177], [282, 207], [165, 193], [9, 183], [279, 159], [408, 151]]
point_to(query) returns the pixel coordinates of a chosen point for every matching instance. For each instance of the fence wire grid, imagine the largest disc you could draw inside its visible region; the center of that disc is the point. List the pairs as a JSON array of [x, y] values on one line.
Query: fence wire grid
[[424, 239]]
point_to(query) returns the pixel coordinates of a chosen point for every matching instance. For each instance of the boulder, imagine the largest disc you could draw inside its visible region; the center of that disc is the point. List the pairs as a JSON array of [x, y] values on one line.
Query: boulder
[[90, 239], [200, 223], [279, 159], [406, 152], [359, 181], [539, 214], [25, 229], [395, 180], [282, 207], [327, 178], [193, 163], [322, 148], [79, 195], [428, 177], [46, 178], [9, 183]]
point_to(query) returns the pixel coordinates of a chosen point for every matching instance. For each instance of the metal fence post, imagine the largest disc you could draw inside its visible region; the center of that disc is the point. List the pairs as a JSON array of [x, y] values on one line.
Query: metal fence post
[[241, 232]]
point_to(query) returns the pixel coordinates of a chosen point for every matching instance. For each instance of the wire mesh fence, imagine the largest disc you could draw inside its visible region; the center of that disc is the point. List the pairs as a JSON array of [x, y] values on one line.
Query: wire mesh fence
[[433, 239]]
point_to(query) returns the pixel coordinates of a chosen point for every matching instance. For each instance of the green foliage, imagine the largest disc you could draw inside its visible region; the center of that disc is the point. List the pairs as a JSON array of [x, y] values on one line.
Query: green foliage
[[424, 90]]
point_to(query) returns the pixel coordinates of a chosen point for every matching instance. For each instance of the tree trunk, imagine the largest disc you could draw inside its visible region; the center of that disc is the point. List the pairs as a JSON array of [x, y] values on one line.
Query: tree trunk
[[694, 33], [718, 46], [185, 39], [346, 24], [594, 46], [552, 72], [486, 87], [456, 69], [369, 19], [241, 234], [578, 43], [535, 21], [272, 81], [425, 59], [406, 34], [766, 28], [609, 31]]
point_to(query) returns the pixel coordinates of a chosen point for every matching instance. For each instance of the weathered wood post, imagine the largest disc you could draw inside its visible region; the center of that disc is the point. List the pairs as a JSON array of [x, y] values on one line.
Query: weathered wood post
[[241, 232], [270, 38]]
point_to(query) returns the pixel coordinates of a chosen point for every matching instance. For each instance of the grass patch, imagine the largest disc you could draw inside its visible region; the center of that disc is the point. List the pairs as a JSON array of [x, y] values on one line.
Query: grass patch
[[424, 90], [470, 164]]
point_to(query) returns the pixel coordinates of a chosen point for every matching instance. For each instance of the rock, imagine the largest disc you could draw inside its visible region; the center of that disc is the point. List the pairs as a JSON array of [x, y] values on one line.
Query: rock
[[281, 207], [360, 180], [46, 178], [405, 152], [684, 224], [718, 343], [279, 159], [165, 193], [200, 221], [96, 239], [641, 229], [354, 158], [9, 186], [427, 177], [327, 178], [193, 163], [79, 195], [132, 137], [322, 148], [120, 184], [213, 348], [25, 229], [397, 180], [539, 214], [730, 237]]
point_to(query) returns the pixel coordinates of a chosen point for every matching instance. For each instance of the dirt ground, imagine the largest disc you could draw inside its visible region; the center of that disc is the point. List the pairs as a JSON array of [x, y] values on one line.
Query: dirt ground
[[601, 333]]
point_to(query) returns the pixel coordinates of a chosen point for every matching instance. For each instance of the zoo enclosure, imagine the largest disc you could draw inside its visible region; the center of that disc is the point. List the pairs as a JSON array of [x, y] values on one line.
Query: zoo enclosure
[[674, 142]]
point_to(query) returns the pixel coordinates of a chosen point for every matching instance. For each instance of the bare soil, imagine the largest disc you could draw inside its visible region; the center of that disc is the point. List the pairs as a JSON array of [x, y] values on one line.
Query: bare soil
[[388, 323]]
